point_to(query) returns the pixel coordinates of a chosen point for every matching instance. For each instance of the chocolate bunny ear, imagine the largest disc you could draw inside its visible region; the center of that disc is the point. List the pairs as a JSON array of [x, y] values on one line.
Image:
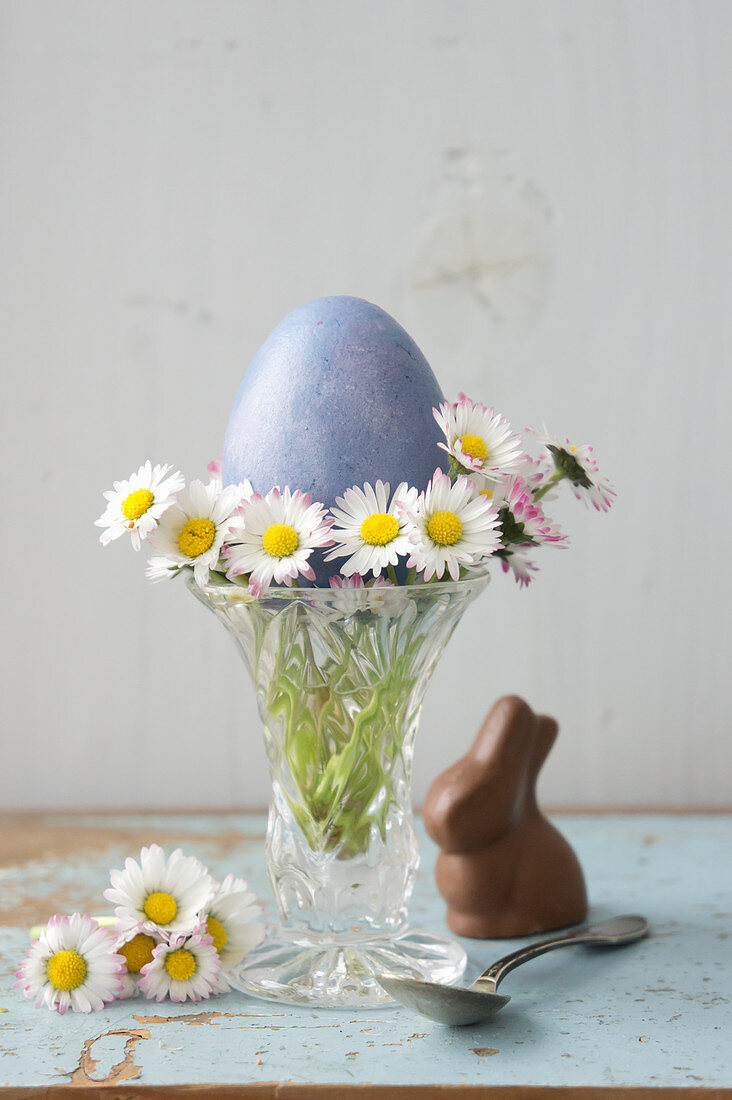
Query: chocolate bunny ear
[[475, 801], [545, 736]]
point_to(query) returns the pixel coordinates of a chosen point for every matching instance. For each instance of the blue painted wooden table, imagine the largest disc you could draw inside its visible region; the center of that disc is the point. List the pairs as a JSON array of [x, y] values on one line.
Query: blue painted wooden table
[[656, 1014]]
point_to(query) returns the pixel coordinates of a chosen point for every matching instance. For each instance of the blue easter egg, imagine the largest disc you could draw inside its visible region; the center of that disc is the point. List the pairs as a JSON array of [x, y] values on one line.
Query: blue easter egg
[[337, 395]]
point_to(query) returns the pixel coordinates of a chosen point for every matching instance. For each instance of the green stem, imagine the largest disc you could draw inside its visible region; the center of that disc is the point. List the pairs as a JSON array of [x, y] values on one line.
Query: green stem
[[553, 480], [342, 720]]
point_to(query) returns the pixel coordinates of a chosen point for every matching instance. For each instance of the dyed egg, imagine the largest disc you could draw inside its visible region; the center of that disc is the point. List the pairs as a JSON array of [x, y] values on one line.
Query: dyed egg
[[337, 395]]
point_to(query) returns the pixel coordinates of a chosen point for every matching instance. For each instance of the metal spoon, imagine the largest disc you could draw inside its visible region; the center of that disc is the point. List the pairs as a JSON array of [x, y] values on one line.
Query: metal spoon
[[455, 1005]]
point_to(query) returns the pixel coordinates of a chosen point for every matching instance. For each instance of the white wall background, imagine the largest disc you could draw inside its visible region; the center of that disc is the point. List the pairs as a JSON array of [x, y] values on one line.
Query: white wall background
[[538, 191]]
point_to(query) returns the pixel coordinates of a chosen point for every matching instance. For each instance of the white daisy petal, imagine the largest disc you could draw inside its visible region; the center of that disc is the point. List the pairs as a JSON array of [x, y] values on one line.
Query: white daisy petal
[[521, 567]]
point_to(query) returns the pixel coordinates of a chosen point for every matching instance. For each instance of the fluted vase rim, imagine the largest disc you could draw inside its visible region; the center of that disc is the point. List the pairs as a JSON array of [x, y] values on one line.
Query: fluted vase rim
[[324, 595]]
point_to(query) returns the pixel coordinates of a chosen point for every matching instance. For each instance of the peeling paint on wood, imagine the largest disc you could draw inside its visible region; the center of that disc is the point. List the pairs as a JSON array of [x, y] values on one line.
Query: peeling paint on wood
[[124, 1070]]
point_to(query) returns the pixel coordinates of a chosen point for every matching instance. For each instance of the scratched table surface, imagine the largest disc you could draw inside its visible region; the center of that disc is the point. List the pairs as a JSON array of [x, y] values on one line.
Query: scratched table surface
[[655, 1014]]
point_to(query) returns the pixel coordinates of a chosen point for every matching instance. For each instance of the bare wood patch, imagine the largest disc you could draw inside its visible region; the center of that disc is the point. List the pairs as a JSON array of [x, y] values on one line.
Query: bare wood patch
[[126, 1070], [199, 1019]]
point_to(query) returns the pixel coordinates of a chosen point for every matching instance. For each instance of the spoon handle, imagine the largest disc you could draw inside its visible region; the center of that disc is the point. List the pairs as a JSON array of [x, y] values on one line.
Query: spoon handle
[[610, 933]]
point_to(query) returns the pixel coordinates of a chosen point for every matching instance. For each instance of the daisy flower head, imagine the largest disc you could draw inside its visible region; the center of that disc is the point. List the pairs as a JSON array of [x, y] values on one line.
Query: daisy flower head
[[274, 538], [184, 968], [233, 921], [192, 532], [134, 506], [453, 526], [477, 438], [576, 464], [371, 531], [523, 522], [73, 964], [136, 948], [159, 896]]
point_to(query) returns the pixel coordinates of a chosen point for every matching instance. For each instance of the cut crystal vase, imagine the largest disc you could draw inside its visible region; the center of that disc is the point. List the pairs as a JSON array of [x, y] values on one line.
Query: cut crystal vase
[[340, 675]]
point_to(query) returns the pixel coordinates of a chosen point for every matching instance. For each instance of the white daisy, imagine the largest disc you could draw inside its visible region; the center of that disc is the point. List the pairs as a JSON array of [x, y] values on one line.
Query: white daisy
[[184, 969], [233, 920], [160, 896], [73, 964], [192, 532], [274, 537], [136, 505], [576, 464], [478, 439], [136, 947], [371, 531], [454, 526], [523, 522]]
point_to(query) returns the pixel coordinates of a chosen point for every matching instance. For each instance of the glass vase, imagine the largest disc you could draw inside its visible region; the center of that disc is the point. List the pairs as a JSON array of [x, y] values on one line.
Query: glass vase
[[340, 675]]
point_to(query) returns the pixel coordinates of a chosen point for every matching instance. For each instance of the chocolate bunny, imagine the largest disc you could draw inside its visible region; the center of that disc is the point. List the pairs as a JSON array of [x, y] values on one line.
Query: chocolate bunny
[[504, 870]]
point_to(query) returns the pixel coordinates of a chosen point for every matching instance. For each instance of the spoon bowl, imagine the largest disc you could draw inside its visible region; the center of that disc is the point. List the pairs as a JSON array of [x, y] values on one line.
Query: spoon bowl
[[448, 1004], [458, 1006]]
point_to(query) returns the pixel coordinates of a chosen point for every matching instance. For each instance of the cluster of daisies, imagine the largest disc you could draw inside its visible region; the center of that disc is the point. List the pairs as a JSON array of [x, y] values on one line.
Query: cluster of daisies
[[177, 934], [490, 503]]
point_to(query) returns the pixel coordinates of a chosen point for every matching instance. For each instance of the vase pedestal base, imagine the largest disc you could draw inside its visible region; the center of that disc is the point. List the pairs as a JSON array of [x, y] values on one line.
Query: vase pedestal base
[[334, 973]]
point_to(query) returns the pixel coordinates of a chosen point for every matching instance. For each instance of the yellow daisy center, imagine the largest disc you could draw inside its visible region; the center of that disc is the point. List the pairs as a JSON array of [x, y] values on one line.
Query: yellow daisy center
[[137, 952], [66, 970], [379, 528], [160, 907], [573, 448], [217, 932], [280, 540], [137, 503], [180, 964], [474, 445], [486, 493], [444, 528], [196, 537]]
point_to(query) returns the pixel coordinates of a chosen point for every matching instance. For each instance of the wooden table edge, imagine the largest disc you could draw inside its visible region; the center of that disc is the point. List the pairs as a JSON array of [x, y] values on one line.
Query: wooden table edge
[[290, 1090]]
